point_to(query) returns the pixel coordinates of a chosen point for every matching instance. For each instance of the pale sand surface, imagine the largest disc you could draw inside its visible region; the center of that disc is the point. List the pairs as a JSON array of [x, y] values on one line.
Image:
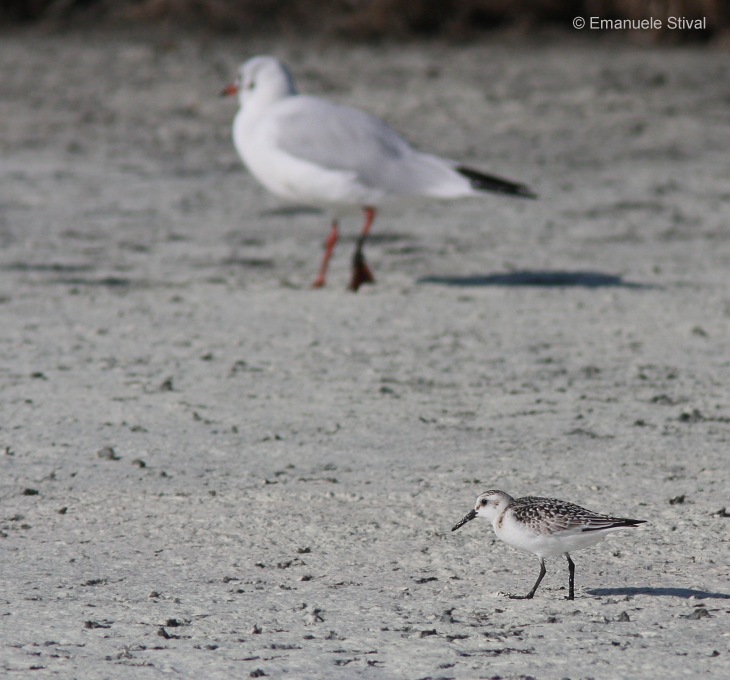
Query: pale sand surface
[[290, 462]]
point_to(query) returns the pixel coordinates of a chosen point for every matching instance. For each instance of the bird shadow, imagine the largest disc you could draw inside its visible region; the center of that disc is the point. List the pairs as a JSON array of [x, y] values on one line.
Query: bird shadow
[[290, 211], [539, 279], [44, 267], [660, 592]]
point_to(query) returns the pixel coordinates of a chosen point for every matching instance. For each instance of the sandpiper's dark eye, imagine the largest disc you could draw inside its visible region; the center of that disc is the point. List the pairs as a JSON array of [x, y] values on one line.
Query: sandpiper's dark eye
[[484, 501]]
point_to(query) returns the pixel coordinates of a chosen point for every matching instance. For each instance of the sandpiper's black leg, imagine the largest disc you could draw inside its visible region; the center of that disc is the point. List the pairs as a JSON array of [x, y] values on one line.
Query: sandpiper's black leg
[[531, 594], [571, 578]]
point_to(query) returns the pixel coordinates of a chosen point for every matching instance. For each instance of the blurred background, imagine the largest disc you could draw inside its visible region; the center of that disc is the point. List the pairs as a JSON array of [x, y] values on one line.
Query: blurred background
[[369, 20]]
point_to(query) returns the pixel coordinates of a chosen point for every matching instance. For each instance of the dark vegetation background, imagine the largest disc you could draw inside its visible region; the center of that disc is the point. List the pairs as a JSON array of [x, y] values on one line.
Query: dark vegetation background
[[375, 19]]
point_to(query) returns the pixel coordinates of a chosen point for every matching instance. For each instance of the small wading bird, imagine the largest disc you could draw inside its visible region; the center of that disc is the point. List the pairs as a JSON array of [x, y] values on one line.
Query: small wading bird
[[313, 152], [545, 527]]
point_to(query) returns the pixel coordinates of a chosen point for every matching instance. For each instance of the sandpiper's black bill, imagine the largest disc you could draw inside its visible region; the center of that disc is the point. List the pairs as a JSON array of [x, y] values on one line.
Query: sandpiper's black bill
[[466, 518]]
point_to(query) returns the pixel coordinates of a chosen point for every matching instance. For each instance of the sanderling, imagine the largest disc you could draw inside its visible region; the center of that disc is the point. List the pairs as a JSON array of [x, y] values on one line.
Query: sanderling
[[545, 527]]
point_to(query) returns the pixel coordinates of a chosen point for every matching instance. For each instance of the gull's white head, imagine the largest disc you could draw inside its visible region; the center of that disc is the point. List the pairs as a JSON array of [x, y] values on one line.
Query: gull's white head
[[261, 81], [489, 505]]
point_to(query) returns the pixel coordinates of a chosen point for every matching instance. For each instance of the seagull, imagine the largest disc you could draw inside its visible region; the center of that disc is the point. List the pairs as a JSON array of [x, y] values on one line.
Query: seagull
[[317, 153], [545, 527]]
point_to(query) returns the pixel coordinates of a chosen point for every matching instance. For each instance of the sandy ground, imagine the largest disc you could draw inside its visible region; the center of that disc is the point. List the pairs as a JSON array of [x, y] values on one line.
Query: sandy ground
[[211, 471]]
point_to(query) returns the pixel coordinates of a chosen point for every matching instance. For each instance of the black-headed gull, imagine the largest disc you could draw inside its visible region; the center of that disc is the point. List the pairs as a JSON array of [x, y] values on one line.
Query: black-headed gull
[[313, 152]]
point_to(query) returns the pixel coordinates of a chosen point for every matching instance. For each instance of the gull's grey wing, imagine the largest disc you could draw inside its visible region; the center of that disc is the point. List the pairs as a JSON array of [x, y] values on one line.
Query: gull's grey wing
[[341, 138]]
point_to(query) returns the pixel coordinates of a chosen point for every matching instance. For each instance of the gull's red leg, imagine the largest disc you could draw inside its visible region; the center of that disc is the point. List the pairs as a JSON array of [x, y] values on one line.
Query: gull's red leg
[[329, 248], [360, 271]]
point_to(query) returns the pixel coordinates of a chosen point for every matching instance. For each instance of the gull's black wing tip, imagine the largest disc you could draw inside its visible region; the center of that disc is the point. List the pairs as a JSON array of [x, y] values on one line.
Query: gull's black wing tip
[[484, 182]]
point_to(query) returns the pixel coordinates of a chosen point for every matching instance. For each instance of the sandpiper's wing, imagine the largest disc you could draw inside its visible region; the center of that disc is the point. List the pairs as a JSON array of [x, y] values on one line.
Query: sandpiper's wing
[[551, 516]]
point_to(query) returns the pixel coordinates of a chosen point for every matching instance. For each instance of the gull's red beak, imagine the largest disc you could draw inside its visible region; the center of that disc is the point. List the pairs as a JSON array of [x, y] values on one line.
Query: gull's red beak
[[229, 90]]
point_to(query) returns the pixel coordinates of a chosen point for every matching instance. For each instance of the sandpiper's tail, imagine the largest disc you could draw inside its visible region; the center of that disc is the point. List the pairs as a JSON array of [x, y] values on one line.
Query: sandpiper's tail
[[483, 182], [615, 523]]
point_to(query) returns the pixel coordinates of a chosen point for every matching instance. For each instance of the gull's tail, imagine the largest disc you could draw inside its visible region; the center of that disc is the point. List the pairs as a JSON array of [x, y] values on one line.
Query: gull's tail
[[483, 182]]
